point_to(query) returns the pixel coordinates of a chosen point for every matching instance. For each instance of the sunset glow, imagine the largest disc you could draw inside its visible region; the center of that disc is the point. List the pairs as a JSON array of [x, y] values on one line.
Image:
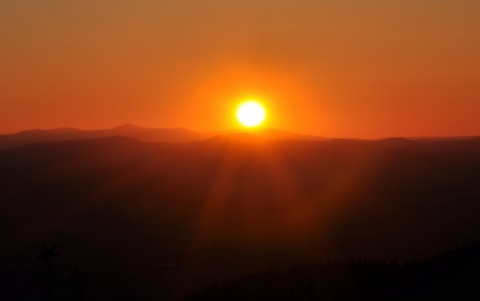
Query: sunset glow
[[334, 69], [240, 150]]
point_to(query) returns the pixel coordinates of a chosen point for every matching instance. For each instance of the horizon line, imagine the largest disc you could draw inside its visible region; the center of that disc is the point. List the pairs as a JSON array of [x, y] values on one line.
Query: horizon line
[[219, 132]]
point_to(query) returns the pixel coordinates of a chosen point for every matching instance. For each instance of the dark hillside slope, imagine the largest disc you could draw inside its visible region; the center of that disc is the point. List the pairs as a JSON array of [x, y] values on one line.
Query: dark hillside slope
[[450, 276], [163, 219]]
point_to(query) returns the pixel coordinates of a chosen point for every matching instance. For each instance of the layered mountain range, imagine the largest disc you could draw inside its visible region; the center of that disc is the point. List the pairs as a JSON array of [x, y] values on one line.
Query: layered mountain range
[[132, 131], [158, 219]]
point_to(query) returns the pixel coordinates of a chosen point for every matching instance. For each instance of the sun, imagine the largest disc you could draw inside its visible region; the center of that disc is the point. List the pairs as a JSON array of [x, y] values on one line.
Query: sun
[[251, 113]]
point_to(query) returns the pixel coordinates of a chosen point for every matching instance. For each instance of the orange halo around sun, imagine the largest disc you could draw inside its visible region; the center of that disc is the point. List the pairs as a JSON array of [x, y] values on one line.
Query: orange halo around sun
[[251, 113]]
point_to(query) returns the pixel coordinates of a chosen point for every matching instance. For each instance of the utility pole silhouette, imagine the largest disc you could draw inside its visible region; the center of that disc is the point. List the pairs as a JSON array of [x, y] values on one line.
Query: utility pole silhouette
[[47, 256], [79, 282]]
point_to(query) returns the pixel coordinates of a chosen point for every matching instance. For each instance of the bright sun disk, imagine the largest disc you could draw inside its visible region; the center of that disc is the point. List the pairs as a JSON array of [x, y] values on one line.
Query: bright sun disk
[[251, 113]]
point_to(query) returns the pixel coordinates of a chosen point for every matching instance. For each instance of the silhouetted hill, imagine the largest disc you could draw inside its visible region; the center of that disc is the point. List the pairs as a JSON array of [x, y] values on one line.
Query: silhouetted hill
[[239, 138], [450, 276], [173, 135], [31, 136], [275, 134], [127, 130], [76, 154], [158, 135], [156, 220]]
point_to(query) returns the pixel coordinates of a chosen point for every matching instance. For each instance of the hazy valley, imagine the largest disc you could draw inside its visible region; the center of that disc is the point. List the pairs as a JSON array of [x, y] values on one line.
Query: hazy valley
[[154, 220]]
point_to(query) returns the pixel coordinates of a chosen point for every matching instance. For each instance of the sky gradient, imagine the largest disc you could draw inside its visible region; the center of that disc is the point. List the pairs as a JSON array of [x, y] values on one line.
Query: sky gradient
[[343, 68]]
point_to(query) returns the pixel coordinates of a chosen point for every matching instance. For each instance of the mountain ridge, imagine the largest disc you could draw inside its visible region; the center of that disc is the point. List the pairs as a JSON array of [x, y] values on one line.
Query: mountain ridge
[[244, 207], [171, 135]]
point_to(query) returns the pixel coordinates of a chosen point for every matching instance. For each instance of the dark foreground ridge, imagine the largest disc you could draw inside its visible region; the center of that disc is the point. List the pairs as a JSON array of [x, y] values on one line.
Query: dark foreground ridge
[[155, 221], [452, 276]]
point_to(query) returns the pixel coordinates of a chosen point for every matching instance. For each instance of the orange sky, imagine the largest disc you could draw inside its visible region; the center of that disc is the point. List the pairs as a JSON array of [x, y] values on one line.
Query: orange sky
[[342, 68]]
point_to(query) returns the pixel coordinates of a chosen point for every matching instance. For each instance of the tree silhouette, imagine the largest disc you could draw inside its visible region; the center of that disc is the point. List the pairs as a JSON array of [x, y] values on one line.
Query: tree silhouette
[[79, 282], [47, 256]]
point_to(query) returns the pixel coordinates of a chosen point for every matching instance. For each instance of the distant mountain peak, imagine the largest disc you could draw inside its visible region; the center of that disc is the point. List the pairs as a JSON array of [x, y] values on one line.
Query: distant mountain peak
[[148, 134]]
